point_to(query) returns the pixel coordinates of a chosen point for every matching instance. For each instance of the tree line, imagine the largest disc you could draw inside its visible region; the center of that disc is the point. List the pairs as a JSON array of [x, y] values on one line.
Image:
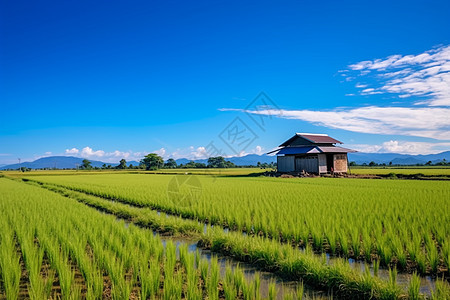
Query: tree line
[[153, 161]]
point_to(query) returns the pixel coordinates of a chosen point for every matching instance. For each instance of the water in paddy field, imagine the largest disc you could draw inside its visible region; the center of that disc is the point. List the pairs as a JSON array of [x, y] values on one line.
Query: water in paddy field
[[427, 283], [282, 286]]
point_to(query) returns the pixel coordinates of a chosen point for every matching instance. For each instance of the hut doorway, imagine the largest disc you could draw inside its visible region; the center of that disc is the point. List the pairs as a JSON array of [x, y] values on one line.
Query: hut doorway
[[330, 162]]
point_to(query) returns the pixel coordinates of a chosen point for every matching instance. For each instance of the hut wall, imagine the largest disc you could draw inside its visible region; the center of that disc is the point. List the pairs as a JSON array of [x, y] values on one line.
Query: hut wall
[[340, 163], [308, 164], [322, 163], [285, 163]]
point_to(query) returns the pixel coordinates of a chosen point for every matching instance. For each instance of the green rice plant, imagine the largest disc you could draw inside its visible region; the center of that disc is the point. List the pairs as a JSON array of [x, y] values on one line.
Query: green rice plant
[[239, 280], [288, 296], [229, 290], [256, 287], [332, 240], [204, 268], [154, 278], [9, 263], [343, 241], [433, 257], [192, 277], [272, 291], [376, 266], [414, 287], [367, 244], [421, 262], [441, 290], [170, 258], [399, 252], [385, 253], [172, 286], [247, 291], [145, 279], [393, 276], [446, 253], [300, 291], [356, 241], [213, 280]]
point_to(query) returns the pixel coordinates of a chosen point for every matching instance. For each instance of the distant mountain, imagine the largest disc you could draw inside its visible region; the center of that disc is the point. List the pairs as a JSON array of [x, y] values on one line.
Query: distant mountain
[[132, 162], [61, 162], [395, 158], [58, 162]]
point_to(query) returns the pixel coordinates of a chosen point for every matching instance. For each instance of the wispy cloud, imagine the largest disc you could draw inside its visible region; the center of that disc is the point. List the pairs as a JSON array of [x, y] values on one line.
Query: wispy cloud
[[111, 157], [430, 122], [403, 147], [424, 75]]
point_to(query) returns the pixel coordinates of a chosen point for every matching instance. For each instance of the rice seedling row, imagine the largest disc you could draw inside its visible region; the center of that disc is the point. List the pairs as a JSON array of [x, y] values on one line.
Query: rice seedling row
[[113, 260], [269, 255], [394, 222]]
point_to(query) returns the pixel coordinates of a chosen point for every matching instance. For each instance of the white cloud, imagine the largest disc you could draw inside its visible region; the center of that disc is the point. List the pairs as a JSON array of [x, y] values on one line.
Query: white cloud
[[258, 150], [88, 152], [112, 157], [199, 153], [424, 75], [118, 153], [72, 151], [403, 147], [161, 152], [430, 122]]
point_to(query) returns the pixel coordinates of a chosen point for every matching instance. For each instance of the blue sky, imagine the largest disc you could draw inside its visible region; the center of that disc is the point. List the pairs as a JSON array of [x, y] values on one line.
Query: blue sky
[[109, 80]]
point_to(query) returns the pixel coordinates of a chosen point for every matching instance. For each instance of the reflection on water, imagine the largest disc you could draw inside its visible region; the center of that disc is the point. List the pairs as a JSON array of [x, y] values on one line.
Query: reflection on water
[[427, 283], [282, 286]]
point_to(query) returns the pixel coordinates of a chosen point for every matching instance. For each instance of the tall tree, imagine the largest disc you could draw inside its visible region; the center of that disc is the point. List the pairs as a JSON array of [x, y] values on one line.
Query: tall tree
[[170, 164], [152, 161], [122, 164], [219, 162], [86, 164]]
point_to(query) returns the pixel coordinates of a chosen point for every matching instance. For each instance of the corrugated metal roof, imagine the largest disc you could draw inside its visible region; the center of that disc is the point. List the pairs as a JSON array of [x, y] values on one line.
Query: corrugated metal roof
[[296, 150], [312, 150], [334, 149], [312, 138], [319, 138]]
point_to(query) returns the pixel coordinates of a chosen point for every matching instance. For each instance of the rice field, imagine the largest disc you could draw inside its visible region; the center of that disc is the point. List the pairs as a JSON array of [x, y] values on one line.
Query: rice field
[[52, 247], [425, 171], [400, 225], [394, 222]]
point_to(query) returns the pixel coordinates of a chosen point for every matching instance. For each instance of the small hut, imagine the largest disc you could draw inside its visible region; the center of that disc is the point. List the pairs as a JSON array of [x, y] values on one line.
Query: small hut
[[312, 153]]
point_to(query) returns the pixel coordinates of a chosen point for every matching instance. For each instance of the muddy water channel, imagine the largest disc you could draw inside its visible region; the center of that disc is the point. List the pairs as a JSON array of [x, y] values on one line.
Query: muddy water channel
[[282, 286], [427, 283]]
